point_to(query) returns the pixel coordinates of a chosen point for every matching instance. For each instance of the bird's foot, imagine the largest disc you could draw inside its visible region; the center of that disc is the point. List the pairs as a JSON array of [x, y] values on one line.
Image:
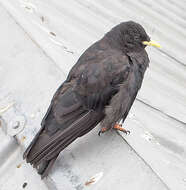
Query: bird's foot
[[104, 129], [120, 128]]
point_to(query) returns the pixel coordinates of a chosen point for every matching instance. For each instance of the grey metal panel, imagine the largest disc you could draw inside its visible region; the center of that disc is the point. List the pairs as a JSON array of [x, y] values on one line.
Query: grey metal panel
[[75, 31], [38, 52]]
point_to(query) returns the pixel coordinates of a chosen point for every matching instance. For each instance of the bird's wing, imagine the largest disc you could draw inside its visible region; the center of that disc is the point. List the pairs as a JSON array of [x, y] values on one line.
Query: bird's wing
[[65, 121], [89, 86], [121, 102], [99, 80]]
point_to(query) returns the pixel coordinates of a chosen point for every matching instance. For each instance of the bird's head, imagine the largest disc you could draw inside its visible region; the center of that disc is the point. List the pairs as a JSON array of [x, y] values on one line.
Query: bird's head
[[131, 36]]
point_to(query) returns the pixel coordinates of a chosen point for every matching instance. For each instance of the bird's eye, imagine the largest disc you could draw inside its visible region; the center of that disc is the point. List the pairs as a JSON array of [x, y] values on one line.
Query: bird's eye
[[128, 38], [136, 38]]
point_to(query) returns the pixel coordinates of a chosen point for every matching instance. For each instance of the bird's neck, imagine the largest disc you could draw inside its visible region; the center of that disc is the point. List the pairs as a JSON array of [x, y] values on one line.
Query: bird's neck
[[114, 40]]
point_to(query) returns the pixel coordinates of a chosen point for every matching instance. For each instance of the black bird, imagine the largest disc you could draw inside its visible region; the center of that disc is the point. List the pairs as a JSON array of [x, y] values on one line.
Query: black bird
[[100, 88]]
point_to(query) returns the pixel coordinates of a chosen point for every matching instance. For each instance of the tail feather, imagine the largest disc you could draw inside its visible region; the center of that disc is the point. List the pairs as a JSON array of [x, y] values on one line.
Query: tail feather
[[59, 136], [45, 148], [45, 167], [27, 151], [48, 168], [51, 149], [68, 140], [63, 139]]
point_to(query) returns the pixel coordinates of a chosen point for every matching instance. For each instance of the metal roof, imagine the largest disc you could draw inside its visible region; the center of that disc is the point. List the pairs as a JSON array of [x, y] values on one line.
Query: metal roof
[[40, 41]]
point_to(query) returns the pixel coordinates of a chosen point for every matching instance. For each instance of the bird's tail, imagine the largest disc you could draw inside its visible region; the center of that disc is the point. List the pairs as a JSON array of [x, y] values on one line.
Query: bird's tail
[[45, 167], [45, 148]]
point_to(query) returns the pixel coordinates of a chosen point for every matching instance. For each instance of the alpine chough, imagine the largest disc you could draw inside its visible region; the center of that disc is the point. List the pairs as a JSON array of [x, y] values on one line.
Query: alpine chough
[[100, 88]]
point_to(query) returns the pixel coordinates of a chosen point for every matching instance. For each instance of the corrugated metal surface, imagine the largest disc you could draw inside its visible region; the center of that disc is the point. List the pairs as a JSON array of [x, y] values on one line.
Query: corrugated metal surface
[[41, 40]]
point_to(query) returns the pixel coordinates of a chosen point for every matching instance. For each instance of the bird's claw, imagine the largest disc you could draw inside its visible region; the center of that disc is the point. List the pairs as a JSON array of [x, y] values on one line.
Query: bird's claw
[[102, 131], [99, 133], [120, 128], [127, 132]]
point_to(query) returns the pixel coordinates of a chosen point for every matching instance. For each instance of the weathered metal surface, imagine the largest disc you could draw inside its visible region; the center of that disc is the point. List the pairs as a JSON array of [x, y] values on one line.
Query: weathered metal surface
[[41, 40]]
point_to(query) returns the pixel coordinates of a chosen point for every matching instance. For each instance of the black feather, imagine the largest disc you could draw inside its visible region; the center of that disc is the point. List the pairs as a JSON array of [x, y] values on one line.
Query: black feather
[[101, 87]]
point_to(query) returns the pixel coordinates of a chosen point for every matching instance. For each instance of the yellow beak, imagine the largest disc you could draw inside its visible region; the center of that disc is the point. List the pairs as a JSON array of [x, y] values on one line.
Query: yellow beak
[[151, 43]]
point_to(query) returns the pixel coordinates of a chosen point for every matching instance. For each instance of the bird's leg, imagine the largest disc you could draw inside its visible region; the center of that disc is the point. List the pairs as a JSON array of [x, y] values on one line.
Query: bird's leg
[[120, 128], [102, 130]]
